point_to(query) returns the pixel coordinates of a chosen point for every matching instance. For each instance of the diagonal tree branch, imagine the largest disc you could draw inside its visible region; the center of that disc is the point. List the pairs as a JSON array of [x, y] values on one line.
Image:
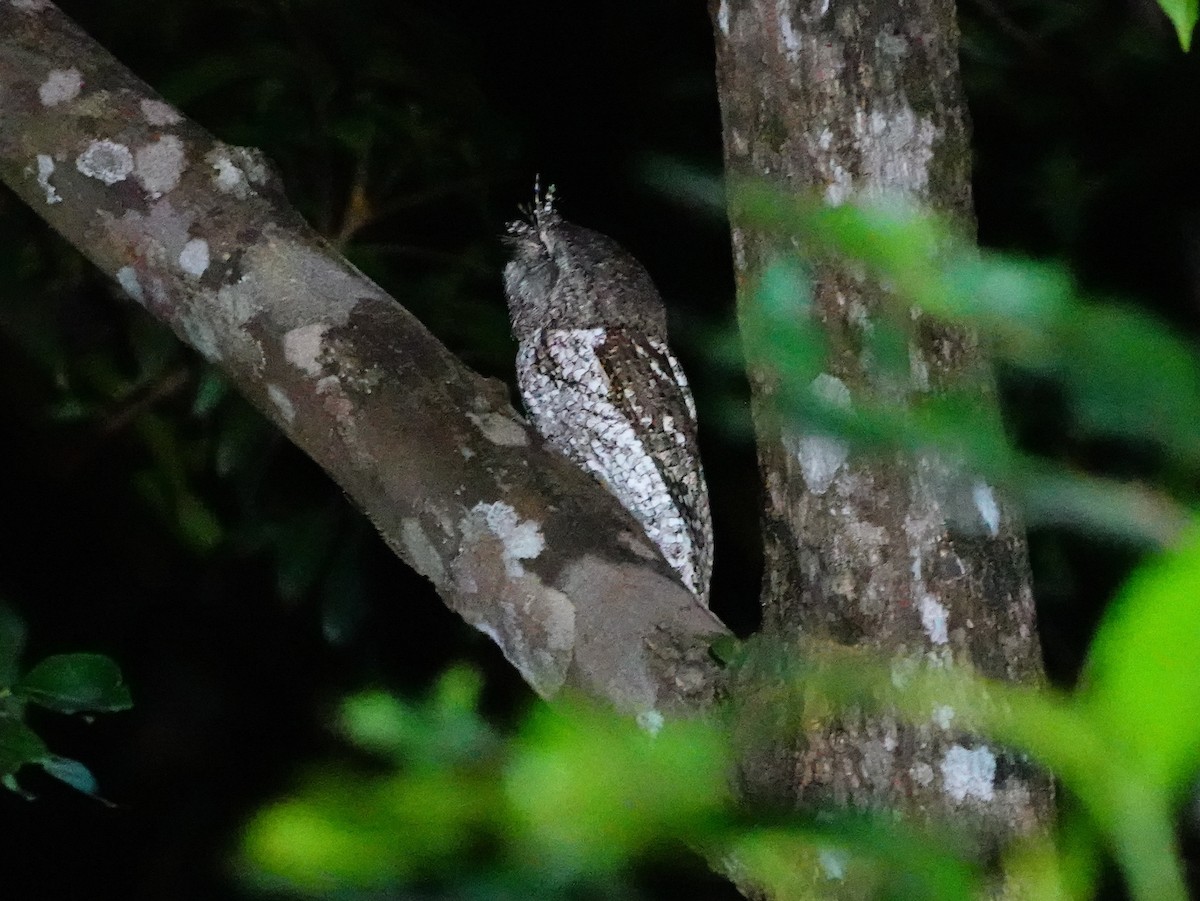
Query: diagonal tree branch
[[521, 544]]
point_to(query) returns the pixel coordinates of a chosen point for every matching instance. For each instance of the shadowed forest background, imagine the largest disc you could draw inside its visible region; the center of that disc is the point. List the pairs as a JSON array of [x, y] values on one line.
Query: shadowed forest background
[[152, 516]]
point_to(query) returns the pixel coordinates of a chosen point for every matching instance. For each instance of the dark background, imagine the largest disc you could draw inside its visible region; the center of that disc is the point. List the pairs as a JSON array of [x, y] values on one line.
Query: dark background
[[151, 516]]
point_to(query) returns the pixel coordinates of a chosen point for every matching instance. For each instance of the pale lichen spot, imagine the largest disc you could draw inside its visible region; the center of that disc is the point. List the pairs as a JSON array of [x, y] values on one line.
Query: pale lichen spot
[[891, 43], [903, 671], [968, 773], [500, 429], [282, 403], [420, 552], [877, 762], [787, 30], [201, 336], [943, 716], [237, 169], [127, 279], [105, 160], [821, 456], [922, 773], [304, 345], [934, 618], [896, 147], [45, 168], [650, 721], [521, 540], [238, 300], [985, 503], [492, 633], [60, 86], [738, 239], [158, 113], [833, 863], [741, 146], [840, 185], [193, 259], [533, 624], [918, 369], [831, 390], [229, 178], [159, 165], [723, 17], [30, 6]]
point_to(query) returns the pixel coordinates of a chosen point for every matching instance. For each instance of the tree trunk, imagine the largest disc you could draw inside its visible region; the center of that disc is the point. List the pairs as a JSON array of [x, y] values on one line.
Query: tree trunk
[[904, 555]]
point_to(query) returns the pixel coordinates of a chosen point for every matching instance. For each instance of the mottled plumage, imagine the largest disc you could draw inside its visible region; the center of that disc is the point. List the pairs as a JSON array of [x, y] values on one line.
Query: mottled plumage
[[602, 386]]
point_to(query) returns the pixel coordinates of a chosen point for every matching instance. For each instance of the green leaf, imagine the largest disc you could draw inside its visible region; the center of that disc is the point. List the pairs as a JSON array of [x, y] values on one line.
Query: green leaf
[[74, 774], [19, 745], [627, 788], [351, 833], [9, 781], [211, 390], [1143, 678], [1182, 14], [726, 649], [1128, 375], [71, 409], [72, 683], [444, 729], [198, 525]]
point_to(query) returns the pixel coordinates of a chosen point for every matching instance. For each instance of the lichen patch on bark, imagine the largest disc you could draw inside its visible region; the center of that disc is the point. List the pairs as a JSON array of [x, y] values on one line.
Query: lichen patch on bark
[[283, 403], [159, 113], [60, 86], [500, 429], [45, 168], [107, 161], [193, 259], [968, 773], [532, 623], [421, 553], [160, 164], [303, 347]]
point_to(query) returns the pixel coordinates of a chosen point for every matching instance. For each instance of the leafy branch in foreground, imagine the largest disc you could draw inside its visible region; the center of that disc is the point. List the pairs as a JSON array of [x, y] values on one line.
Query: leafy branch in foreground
[[65, 683]]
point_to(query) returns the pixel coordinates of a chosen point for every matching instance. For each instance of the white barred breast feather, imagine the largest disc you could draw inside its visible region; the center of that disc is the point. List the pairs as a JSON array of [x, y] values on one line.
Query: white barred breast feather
[[601, 385]]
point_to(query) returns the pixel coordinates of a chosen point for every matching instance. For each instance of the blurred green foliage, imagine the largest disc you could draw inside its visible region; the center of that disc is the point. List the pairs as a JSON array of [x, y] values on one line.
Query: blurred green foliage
[[577, 795], [1182, 14], [564, 807], [566, 802]]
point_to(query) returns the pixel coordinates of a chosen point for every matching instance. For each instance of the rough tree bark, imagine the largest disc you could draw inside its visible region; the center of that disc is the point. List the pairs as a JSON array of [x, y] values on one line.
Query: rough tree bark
[[522, 544], [907, 556]]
